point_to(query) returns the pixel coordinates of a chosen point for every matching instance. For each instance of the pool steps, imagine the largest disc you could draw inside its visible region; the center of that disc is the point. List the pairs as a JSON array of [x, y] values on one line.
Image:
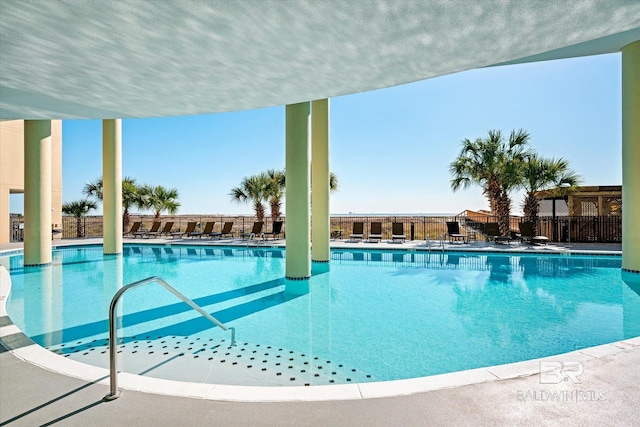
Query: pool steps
[[114, 393]]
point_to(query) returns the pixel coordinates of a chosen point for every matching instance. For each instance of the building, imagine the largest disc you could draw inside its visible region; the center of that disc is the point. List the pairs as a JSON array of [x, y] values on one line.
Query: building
[[589, 214], [603, 200], [12, 174]]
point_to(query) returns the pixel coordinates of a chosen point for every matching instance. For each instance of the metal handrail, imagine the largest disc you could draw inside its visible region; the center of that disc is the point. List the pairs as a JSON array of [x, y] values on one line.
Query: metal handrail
[[114, 393], [441, 243], [252, 237]]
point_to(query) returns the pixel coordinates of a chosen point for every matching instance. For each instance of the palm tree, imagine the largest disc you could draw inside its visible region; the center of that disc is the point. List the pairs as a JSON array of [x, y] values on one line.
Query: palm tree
[[269, 187], [130, 195], [274, 189], [93, 189], [545, 174], [158, 198], [333, 182], [494, 164], [254, 189], [79, 209]]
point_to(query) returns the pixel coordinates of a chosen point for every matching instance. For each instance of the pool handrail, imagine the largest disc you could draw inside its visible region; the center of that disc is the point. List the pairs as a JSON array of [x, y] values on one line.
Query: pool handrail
[[114, 393]]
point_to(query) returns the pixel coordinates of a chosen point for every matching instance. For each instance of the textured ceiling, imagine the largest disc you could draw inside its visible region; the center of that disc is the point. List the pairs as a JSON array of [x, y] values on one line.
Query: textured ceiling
[[119, 59]]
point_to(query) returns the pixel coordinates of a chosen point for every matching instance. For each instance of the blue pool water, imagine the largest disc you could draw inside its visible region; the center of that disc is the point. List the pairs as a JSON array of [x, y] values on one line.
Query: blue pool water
[[373, 316]]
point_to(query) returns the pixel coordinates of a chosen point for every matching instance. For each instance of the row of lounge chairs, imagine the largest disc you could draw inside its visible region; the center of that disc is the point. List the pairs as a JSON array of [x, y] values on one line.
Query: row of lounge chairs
[[375, 232], [492, 231], [207, 231], [256, 230], [527, 234]]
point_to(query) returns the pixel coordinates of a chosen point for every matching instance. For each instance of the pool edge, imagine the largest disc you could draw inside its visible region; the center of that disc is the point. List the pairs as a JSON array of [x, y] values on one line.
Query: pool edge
[[39, 356]]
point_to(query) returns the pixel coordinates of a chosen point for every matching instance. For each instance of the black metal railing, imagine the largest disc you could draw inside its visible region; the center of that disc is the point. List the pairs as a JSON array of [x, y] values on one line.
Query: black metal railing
[[559, 229]]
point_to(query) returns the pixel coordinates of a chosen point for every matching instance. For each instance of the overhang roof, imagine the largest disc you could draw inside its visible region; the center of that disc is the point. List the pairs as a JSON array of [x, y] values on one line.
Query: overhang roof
[[121, 59], [603, 190]]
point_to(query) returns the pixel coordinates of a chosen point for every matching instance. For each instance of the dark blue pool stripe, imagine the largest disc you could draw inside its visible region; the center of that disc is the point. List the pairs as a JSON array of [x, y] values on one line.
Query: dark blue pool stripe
[[169, 310], [199, 324], [102, 326]]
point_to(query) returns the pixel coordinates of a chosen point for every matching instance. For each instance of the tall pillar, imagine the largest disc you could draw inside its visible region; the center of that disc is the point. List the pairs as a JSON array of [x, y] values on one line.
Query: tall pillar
[[320, 180], [298, 242], [631, 157], [112, 185], [37, 192], [56, 178]]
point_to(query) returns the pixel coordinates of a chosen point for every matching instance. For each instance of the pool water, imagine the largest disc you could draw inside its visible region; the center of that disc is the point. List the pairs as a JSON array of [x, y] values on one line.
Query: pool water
[[367, 316]]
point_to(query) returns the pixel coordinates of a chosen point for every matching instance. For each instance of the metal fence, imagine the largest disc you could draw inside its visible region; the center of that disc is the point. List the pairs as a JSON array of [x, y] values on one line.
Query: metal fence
[[559, 229], [17, 229], [604, 229]]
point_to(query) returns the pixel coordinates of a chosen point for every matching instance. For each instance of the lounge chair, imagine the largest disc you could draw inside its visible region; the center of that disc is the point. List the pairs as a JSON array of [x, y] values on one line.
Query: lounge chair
[[152, 231], [528, 234], [134, 229], [397, 232], [453, 231], [492, 230], [226, 230], [191, 226], [256, 231], [208, 228], [376, 231], [276, 229], [166, 229], [358, 231]]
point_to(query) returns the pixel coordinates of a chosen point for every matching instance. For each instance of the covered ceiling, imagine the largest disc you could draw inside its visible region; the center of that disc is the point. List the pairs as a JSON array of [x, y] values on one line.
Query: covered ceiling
[[122, 59]]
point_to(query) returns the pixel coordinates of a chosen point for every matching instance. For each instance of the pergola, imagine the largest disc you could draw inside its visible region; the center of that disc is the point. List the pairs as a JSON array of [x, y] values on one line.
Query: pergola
[[129, 59]]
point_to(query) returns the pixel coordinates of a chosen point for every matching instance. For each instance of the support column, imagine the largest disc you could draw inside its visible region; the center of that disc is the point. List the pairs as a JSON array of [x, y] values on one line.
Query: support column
[[112, 185], [320, 181], [298, 242], [37, 192], [631, 157]]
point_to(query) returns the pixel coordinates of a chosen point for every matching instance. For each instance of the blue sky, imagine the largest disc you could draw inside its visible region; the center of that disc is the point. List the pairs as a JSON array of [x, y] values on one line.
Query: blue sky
[[390, 148]]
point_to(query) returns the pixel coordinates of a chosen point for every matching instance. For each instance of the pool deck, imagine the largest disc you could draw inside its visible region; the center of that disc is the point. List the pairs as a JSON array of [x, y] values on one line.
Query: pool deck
[[608, 391]]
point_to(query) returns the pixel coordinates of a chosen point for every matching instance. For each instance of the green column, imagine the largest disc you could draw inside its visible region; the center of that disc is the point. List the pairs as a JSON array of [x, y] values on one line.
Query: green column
[[37, 192], [298, 242], [631, 157], [112, 185], [320, 180]]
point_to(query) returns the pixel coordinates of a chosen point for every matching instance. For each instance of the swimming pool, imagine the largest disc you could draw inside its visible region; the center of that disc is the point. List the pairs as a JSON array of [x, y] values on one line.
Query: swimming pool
[[373, 316]]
